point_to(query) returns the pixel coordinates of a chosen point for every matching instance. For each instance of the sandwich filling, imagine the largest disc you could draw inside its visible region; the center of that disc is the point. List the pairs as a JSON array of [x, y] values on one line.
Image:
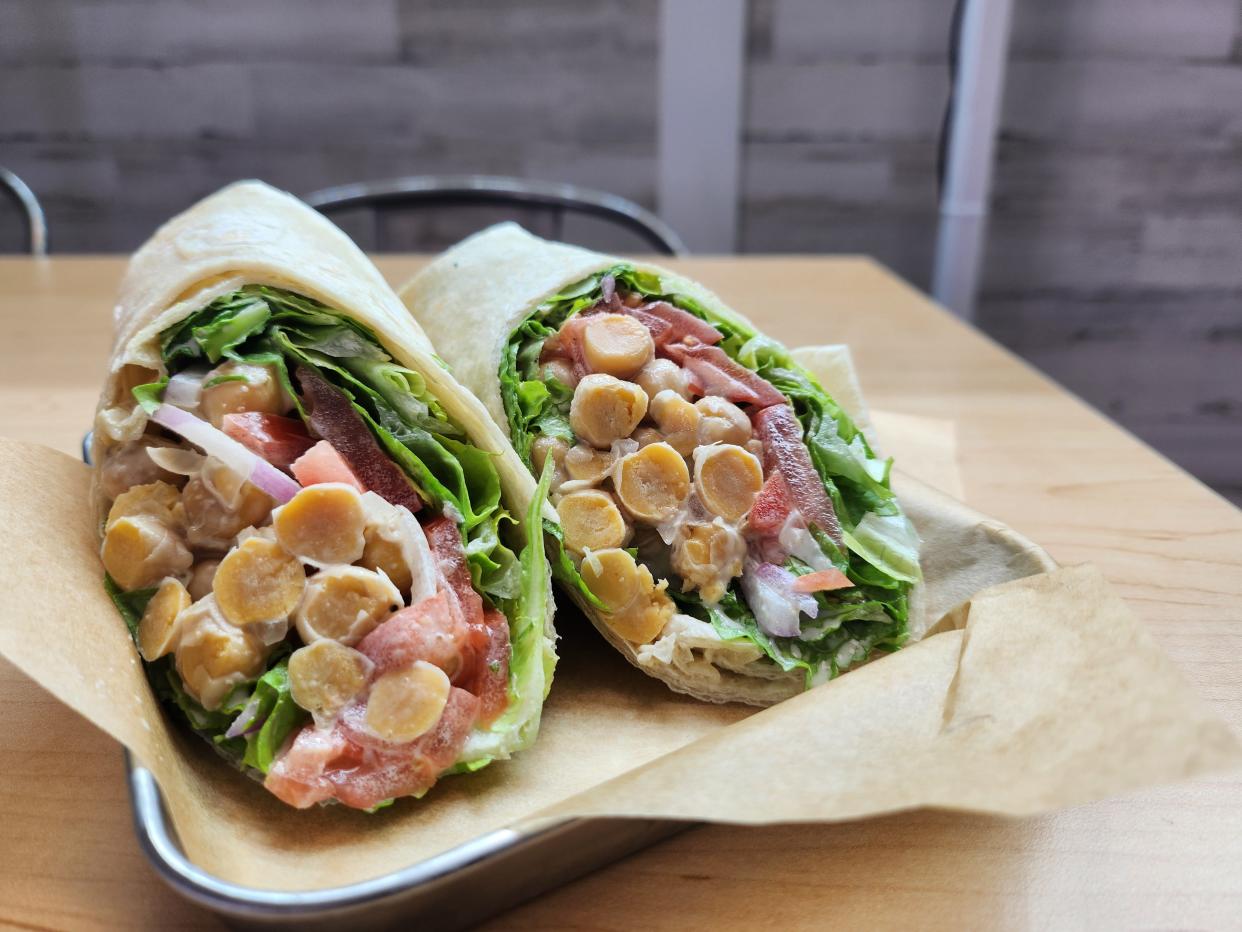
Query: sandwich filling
[[314, 560], [713, 499]]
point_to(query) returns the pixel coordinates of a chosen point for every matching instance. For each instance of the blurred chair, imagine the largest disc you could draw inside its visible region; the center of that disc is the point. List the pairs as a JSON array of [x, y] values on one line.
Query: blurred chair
[[419, 191], [32, 211]]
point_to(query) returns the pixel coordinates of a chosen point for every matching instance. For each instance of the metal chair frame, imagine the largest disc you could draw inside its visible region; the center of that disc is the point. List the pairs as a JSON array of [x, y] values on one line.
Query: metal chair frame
[[433, 190], [32, 211]]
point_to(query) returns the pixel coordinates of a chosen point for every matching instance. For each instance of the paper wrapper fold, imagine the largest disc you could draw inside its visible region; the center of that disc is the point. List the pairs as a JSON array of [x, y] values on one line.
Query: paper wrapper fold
[[1041, 691]]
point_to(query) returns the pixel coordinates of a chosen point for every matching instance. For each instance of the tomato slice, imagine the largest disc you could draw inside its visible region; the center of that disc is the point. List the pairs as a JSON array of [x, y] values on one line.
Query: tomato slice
[[489, 678], [279, 440], [822, 581], [321, 463], [773, 505], [445, 542]]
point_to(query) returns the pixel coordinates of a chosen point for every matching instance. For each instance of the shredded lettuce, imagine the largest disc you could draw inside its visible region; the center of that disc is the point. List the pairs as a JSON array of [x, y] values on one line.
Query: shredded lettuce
[[881, 552]]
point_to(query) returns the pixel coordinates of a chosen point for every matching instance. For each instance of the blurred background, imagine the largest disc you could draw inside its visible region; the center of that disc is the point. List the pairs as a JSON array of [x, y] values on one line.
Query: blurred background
[[1113, 259]]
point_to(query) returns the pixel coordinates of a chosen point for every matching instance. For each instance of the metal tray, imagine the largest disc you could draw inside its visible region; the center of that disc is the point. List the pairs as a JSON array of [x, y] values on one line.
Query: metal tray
[[451, 890]]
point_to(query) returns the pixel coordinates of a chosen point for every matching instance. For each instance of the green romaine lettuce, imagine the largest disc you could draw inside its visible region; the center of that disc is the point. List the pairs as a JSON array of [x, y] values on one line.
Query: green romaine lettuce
[[532, 656]]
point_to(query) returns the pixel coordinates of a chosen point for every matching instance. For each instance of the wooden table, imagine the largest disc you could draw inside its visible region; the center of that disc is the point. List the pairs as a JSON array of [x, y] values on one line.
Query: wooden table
[[1032, 456]]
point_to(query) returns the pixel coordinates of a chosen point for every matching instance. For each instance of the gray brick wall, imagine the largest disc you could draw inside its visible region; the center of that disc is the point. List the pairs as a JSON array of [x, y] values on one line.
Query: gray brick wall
[[1115, 260], [1115, 256]]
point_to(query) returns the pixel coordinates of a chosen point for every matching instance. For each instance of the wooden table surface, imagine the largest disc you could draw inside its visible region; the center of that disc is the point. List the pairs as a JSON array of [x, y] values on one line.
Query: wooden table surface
[[1031, 455]]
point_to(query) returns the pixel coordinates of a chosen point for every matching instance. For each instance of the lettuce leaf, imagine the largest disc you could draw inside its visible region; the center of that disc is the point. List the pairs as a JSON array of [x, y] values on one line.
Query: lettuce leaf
[[278, 712], [532, 658]]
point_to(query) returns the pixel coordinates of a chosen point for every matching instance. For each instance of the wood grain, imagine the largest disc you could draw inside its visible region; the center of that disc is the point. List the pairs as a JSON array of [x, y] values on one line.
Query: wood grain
[[1032, 456]]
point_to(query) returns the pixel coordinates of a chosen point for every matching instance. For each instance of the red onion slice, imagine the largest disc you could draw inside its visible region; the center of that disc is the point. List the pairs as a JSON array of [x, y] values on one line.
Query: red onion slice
[[236, 457], [769, 593]]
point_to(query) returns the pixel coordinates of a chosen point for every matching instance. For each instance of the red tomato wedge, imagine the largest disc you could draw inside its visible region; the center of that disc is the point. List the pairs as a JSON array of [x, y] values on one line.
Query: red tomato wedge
[[822, 581], [299, 775], [446, 546], [279, 440], [429, 631], [783, 450], [773, 505], [712, 372], [321, 463], [489, 678]]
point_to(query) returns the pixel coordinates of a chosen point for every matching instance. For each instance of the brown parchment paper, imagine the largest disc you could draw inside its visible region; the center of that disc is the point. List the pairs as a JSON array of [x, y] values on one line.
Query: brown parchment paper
[[1041, 691]]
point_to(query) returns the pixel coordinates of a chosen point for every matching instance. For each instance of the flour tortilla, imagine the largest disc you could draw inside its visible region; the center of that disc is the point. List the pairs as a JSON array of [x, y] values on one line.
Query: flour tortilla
[[250, 233], [471, 299]]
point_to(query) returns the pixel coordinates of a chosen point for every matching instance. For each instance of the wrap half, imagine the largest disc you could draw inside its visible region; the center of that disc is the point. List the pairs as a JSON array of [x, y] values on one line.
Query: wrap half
[[722, 520], [330, 558]]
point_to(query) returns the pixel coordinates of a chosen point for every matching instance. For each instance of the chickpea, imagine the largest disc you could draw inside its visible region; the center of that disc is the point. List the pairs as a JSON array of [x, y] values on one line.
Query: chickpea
[[140, 550], [250, 388], [708, 556], [407, 703], [673, 413], [157, 631], [545, 446], [158, 499], [591, 520], [652, 483], [217, 511], [345, 604], [637, 608], [727, 479], [616, 344], [562, 370], [587, 464], [678, 419], [201, 578], [213, 656], [662, 375], [325, 675], [381, 553], [722, 421], [645, 436], [605, 409], [258, 581], [322, 524]]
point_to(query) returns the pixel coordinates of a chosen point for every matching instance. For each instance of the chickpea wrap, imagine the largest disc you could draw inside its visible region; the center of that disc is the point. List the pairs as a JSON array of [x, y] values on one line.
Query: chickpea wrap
[[723, 521], [329, 557]]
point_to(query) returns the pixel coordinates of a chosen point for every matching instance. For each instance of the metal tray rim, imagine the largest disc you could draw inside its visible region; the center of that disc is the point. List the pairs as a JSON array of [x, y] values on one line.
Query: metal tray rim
[[171, 863]]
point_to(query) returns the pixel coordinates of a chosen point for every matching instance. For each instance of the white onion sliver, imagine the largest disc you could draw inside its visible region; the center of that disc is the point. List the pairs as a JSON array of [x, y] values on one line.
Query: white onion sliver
[[176, 460], [236, 457], [184, 388], [798, 542]]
